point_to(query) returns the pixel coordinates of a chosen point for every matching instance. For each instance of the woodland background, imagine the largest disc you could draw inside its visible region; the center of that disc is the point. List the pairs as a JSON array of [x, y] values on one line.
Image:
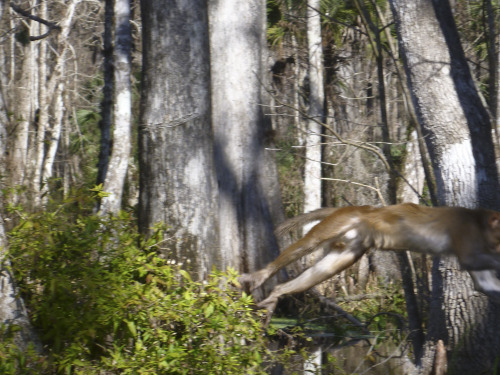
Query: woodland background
[[149, 149]]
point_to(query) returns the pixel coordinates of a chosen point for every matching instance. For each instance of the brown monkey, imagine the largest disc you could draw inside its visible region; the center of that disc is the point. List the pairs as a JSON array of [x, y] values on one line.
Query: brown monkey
[[473, 235]]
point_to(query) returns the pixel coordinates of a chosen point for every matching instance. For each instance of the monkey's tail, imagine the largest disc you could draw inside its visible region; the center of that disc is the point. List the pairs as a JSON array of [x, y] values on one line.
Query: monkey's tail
[[298, 221]]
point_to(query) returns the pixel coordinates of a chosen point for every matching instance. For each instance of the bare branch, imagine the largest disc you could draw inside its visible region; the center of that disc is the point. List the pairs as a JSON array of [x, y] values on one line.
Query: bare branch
[[362, 145], [50, 25]]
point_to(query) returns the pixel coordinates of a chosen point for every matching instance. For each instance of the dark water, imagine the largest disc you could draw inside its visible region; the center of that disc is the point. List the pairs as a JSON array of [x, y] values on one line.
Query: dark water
[[374, 355]]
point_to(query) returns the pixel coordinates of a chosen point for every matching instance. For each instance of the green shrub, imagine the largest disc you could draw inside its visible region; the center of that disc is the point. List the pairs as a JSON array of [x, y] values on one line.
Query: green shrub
[[104, 301]]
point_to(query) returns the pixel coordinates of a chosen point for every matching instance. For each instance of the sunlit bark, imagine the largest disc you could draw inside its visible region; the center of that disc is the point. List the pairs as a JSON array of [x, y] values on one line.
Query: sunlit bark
[[312, 174], [246, 171], [458, 136], [178, 185]]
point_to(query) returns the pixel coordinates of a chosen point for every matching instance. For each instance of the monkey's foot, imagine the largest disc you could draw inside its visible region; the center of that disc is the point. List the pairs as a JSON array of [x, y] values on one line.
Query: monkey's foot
[[269, 304], [251, 281]]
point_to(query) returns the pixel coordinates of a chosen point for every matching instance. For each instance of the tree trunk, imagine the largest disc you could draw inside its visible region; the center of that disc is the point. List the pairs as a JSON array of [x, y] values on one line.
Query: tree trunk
[[55, 93], [458, 135], [178, 186], [313, 154], [496, 121], [312, 166], [24, 107], [107, 93], [246, 172], [374, 34], [12, 309], [42, 119], [55, 136], [120, 155], [492, 64], [411, 190], [4, 113]]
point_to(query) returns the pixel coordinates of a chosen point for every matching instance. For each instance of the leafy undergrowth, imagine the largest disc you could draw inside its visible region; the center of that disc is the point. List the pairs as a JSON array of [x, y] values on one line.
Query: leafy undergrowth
[[104, 302]]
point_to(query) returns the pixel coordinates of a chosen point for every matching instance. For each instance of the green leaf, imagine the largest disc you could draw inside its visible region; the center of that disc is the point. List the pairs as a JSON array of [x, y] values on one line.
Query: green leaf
[[185, 274], [209, 310], [131, 328]]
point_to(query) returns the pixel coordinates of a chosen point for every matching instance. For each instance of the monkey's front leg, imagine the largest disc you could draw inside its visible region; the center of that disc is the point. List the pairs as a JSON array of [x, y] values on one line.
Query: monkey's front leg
[[486, 281], [479, 261], [333, 263]]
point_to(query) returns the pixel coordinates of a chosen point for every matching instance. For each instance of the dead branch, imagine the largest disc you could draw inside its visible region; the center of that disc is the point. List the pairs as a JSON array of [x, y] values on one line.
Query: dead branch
[[51, 25]]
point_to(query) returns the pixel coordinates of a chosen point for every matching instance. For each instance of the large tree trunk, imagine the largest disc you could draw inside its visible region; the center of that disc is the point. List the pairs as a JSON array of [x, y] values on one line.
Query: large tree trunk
[[12, 309], [177, 174], [458, 135], [246, 172], [122, 114]]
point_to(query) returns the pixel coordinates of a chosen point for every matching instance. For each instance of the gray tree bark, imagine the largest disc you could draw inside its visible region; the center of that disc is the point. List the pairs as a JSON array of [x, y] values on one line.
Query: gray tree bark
[[178, 186], [249, 194], [411, 190], [122, 111], [4, 78], [458, 136], [107, 93], [24, 106], [12, 309]]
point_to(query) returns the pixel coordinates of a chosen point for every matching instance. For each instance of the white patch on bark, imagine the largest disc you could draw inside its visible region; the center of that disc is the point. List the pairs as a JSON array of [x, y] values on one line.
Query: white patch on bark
[[459, 175], [413, 172]]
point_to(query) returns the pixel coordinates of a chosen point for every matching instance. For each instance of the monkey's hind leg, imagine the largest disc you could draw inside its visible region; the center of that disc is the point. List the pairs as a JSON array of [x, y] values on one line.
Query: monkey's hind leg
[[293, 252], [333, 263]]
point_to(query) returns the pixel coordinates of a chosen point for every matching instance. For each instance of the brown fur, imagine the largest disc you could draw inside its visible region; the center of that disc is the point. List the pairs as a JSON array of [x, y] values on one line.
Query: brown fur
[[473, 235]]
